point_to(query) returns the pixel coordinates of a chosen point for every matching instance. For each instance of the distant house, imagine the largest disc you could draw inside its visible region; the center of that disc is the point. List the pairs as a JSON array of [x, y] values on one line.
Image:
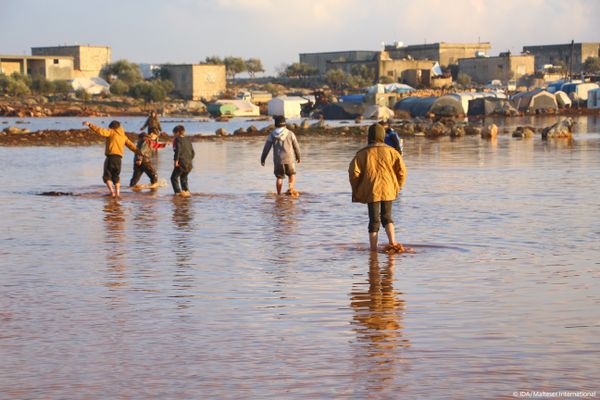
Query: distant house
[[197, 81], [88, 60], [560, 54], [321, 60], [504, 67], [442, 52], [51, 68]]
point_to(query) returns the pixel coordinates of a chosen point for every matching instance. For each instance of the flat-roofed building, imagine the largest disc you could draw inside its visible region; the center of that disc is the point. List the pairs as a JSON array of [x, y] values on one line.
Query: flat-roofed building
[[442, 52], [197, 81], [51, 68], [321, 60], [560, 54], [88, 60], [505, 67]]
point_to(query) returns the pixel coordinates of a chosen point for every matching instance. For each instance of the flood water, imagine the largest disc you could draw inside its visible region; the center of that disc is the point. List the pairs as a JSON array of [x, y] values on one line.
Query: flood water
[[236, 293]]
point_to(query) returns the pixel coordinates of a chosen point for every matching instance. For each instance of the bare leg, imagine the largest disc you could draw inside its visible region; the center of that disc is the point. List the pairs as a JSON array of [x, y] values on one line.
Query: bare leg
[[118, 188], [279, 185], [373, 240], [292, 181], [389, 230], [109, 185]]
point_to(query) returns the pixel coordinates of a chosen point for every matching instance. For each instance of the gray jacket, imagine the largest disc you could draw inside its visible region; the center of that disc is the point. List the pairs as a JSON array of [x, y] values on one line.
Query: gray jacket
[[285, 147]]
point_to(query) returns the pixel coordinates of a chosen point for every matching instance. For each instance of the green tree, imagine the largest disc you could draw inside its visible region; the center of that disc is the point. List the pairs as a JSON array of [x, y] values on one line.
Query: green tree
[[14, 85], [592, 65], [254, 65], [41, 85], [300, 70], [123, 70], [234, 66], [119, 88], [365, 73], [149, 91], [336, 78], [386, 79], [61, 87], [463, 79], [213, 60]]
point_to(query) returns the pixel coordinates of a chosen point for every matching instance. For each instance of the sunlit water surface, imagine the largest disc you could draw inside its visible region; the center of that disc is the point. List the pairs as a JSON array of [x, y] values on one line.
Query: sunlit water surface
[[237, 293]]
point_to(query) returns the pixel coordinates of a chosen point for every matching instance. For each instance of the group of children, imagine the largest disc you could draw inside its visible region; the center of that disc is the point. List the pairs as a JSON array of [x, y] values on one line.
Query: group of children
[[376, 173], [116, 141]]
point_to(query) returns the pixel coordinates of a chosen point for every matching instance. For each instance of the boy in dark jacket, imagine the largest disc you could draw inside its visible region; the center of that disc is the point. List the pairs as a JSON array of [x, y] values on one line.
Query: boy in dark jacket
[[143, 164], [182, 160]]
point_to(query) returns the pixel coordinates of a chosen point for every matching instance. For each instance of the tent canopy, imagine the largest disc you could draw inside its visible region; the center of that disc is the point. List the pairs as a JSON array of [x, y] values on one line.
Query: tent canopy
[[289, 107], [416, 106], [91, 85], [378, 112], [535, 100], [490, 105]]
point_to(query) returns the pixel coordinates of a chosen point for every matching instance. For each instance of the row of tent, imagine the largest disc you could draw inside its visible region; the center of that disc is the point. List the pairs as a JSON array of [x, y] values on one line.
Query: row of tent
[[288, 106]]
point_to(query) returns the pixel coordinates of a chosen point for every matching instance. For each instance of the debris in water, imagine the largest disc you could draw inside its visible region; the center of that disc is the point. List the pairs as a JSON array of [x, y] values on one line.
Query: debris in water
[[55, 193]]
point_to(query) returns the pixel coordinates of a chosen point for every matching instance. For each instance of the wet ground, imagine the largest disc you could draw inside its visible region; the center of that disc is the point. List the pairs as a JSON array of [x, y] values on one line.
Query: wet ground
[[238, 293]]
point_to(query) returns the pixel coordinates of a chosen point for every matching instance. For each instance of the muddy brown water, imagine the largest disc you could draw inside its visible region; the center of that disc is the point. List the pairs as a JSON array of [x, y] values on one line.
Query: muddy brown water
[[238, 293]]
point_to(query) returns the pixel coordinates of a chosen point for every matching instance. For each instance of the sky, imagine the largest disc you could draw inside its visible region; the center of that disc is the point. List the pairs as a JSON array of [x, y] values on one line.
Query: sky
[[276, 31]]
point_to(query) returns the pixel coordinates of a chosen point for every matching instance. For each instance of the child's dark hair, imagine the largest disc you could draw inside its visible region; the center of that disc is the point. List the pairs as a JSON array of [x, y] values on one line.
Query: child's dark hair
[[114, 125], [178, 129]]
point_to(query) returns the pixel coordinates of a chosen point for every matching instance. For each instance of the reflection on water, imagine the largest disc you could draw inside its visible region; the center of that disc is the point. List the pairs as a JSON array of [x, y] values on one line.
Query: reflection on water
[[114, 246], [238, 293], [379, 310]]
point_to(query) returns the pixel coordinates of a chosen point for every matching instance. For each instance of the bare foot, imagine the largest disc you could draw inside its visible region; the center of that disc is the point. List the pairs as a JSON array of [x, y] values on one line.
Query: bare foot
[[396, 248]]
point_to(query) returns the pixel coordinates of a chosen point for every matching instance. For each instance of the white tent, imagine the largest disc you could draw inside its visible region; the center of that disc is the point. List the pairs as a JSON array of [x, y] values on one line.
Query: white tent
[[289, 107], [378, 112], [243, 108], [90, 85], [562, 99]]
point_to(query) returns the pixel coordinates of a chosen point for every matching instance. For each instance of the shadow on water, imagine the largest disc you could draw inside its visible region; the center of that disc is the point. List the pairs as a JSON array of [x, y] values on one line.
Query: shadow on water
[[377, 320]]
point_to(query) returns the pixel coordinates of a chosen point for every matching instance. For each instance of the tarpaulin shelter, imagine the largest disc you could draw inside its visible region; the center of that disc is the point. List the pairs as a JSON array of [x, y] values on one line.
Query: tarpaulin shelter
[[578, 91], [342, 110], [562, 99], [416, 106], [534, 101], [241, 108], [91, 85], [288, 106], [378, 112], [448, 106], [593, 98], [490, 105]]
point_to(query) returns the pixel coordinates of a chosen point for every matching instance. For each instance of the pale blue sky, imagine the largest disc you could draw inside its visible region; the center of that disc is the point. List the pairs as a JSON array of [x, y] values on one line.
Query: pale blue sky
[[186, 31]]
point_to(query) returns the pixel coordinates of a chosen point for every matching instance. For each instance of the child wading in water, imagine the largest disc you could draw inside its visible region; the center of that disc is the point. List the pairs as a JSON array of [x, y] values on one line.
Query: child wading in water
[[182, 161], [116, 140], [143, 164], [285, 152]]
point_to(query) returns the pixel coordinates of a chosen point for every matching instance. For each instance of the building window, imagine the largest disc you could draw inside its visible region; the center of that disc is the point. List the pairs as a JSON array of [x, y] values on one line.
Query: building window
[[391, 73], [56, 61]]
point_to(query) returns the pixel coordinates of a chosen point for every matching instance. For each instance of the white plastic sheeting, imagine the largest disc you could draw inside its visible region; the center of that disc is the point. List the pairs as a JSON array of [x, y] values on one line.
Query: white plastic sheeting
[[91, 85]]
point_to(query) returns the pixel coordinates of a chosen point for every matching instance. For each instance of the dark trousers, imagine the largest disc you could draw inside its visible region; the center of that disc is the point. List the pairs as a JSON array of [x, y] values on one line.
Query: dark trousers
[[379, 212], [143, 168], [180, 174]]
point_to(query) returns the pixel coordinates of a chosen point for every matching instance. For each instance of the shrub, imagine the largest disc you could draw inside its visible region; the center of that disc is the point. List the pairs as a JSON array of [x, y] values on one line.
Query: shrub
[[119, 87]]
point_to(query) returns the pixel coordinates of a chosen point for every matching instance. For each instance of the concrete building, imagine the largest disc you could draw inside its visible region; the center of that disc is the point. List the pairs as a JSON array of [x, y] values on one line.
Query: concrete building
[[51, 68], [560, 54], [444, 53], [197, 81], [504, 67], [321, 60], [407, 71], [88, 60]]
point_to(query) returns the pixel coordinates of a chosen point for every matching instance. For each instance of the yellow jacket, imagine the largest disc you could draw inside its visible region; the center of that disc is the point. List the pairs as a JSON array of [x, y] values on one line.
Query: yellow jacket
[[376, 173], [116, 140]]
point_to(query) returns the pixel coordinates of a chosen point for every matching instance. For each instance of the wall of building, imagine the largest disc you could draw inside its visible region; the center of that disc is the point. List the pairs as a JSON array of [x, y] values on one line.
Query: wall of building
[[504, 68], [444, 53], [321, 60], [10, 66], [88, 60], [59, 68], [557, 54], [197, 81]]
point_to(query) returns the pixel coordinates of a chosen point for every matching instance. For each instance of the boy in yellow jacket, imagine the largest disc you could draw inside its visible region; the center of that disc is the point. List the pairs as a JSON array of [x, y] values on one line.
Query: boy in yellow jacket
[[116, 140], [377, 174]]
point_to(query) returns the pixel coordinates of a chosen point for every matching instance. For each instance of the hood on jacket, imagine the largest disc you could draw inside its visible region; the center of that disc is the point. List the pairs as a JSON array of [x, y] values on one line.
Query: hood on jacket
[[376, 134], [280, 133]]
